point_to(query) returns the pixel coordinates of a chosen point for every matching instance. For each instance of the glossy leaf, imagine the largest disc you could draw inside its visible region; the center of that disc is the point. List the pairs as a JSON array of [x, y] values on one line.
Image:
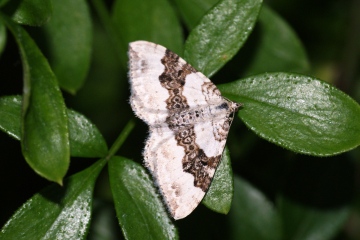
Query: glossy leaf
[[56, 212], [151, 20], [85, 139], [252, 216], [10, 116], [193, 10], [278, 48], [30, 12], [69, 57], [297, 112], [137, 203], [2, 37], [45, 137], [301, 222], [220, 34], [220, 194]]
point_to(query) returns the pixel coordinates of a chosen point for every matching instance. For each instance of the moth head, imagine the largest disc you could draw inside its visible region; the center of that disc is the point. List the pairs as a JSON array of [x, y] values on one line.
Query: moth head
[[234, 106]]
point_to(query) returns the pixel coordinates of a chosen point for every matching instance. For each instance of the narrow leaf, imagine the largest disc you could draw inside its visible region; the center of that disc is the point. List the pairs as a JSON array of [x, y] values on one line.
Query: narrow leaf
[[301, 222], [252, 216], [56, 212], [298, 112], [45, 138], [220, 34], [69, 57], [2, 37], [220, 194], [30, 12], [151, 20], [137, 203], [193, 10], [278, 48], [85, 139]]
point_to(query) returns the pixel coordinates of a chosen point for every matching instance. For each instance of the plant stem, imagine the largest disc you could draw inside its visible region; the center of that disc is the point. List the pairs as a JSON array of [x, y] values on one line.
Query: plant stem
[[121, 139]]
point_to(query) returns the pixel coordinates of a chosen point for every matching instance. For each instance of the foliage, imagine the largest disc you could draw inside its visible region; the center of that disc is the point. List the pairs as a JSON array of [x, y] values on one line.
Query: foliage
[[243, 41]]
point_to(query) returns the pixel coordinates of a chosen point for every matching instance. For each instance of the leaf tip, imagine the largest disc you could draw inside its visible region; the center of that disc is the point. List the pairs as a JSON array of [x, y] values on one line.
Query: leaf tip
[[60, 182]]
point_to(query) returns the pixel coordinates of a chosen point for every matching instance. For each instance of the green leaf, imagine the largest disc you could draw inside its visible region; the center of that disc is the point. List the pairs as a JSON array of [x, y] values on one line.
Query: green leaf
[[137, 203], [2, 37], [221, 190], [192, 10], [45, 137], [56, 212], [252, 216], [220, 34], [10, 116], [30, 12], [298, 112], [151, 20], [278, 48], [85, 139], [301, 222], [69, 57]]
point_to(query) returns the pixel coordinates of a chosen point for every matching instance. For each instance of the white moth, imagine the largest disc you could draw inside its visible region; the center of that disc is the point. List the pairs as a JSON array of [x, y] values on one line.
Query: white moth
[[189, 122]]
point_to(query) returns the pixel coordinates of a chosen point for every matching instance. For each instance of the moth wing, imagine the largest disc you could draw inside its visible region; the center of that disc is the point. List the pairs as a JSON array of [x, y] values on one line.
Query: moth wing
[[164, 157], [182, 168], [148, 96]]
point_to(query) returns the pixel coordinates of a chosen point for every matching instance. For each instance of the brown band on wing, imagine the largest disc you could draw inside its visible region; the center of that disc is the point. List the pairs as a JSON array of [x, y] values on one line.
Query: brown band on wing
[[195, 160]]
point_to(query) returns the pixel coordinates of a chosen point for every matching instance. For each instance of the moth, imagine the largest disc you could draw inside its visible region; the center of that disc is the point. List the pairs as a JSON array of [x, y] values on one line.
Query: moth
[[188, 122]]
